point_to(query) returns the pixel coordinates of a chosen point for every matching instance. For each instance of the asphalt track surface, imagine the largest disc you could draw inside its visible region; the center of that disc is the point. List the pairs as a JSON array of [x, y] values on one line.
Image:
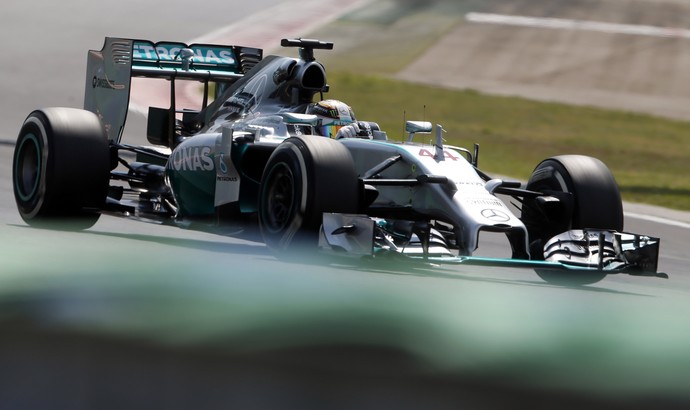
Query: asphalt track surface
[[620, 342], [630, 54]]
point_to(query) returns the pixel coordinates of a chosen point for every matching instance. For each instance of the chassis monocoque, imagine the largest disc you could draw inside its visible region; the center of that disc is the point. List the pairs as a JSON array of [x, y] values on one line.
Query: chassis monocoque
[[251, 155]]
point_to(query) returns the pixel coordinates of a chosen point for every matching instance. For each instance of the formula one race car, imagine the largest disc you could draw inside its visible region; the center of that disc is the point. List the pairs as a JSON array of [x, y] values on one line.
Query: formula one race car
[[254, 156]]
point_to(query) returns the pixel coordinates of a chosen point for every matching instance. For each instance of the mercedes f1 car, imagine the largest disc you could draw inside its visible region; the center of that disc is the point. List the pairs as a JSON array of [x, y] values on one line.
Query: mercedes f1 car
[[251, 156]]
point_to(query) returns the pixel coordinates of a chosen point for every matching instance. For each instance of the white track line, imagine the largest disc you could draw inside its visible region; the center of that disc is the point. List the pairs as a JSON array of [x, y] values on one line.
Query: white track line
[[584, 25], [658, 219], [287, 19]]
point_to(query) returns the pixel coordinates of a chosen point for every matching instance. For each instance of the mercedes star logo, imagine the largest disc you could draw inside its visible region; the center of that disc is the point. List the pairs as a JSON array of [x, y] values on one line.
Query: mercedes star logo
[[495, 215]]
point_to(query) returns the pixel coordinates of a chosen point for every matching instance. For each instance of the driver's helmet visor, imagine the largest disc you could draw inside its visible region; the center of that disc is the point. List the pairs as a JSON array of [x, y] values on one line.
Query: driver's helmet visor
[[331, 129]]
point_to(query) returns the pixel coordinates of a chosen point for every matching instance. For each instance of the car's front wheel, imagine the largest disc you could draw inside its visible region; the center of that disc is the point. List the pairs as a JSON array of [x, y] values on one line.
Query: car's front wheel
[[303, 178], [589, 198]]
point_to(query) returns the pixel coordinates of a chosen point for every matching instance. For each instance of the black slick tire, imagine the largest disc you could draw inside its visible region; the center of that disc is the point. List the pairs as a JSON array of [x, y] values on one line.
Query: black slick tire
[[303, 178], [61, 169], [591, 199]]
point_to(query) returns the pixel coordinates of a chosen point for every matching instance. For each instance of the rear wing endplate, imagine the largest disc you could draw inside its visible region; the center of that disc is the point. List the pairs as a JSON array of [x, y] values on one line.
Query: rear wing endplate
[[109, 71]]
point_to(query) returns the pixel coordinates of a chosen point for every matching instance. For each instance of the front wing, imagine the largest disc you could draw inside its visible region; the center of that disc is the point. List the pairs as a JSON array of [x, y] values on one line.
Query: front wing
[[602, 251]]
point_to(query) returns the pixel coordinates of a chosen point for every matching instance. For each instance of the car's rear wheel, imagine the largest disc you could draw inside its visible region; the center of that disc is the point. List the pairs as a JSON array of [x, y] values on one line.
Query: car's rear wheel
[[303, 178], [61, 168], [590, 198]]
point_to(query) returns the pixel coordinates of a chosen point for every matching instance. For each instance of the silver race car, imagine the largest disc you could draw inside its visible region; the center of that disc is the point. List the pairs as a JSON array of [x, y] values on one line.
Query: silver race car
[[256, 155]]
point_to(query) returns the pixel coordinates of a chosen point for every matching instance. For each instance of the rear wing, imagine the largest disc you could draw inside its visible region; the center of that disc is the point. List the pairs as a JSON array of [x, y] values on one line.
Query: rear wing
[[109, 72]]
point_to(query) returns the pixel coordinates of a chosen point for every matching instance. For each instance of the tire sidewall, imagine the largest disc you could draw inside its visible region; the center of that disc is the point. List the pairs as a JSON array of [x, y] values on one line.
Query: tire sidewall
[[73, 168], [324, 180], [32, 204], [287, 159], [594, 203], [596, 199], [547, 177]]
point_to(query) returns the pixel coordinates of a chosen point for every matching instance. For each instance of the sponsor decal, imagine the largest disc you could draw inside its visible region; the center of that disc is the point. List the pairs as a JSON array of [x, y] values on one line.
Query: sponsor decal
[[223, 167], [169, 52], [224, 170], [482, 201], [343, 112], [295, 129], [239, 103], [469, 183], [580, 235], [426, 153], [274, 121], [227, 177], [220, 178], [191, 159], [495, 215], [98, 82]]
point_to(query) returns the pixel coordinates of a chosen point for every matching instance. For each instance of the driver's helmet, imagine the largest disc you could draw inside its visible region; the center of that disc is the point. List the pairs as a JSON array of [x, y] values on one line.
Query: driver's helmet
[[333, 114]]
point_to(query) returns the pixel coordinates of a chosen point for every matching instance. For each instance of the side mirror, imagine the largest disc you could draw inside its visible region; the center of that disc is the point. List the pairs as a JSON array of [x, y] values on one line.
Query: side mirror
[[303, 119], [414, 127]]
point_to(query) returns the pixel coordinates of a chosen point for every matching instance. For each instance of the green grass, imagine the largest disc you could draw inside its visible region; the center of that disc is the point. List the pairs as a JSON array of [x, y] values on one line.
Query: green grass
[[649, 156]]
